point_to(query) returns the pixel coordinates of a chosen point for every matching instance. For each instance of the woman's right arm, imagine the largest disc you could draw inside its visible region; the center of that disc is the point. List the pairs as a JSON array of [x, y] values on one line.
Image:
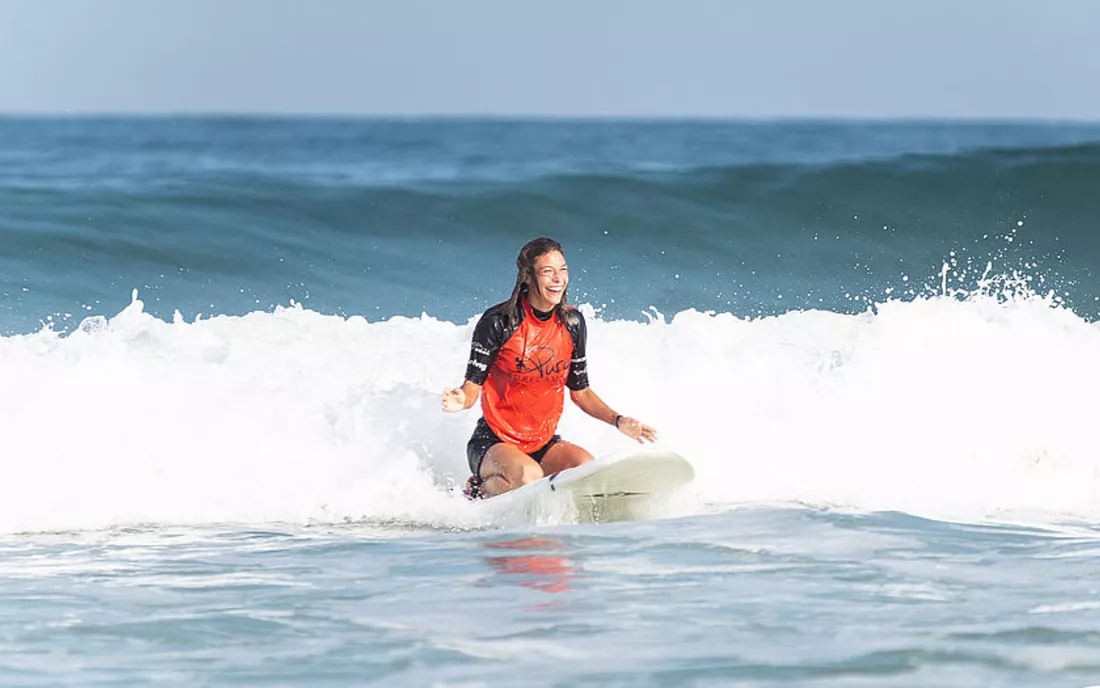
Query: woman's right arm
[[490, 334], [460, 398]]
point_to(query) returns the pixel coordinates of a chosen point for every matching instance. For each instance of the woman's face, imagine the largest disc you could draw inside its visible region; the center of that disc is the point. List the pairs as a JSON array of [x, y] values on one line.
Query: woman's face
[[547, 285]]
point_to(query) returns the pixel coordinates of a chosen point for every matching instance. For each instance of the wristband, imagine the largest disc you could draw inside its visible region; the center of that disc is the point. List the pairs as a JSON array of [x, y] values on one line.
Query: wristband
[[616, 421]]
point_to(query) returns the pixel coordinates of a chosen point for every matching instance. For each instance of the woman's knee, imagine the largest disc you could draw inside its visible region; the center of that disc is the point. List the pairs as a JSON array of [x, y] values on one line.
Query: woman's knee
[[530, 472]]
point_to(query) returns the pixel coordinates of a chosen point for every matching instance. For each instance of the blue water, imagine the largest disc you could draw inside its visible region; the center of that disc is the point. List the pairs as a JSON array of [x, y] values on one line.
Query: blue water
[[394, 217], [752, 598], [222, 342]]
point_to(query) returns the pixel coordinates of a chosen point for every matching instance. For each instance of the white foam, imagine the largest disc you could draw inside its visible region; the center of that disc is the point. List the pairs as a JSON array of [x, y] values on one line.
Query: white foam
[[935, 406]]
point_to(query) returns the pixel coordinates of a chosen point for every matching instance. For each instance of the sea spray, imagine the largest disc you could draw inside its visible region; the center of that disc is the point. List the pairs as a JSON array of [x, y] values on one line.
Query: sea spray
[[946, 406]]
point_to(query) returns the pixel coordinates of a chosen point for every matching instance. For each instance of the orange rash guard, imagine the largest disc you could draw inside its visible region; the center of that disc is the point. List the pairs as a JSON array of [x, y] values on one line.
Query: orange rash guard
[[524, 371]]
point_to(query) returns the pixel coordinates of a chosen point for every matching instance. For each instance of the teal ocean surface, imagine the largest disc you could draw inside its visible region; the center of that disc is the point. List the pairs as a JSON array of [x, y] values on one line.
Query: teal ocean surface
[[223, 340]]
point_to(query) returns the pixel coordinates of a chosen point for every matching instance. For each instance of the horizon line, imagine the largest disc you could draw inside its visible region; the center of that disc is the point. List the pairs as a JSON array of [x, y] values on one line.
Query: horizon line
[[534, 117]]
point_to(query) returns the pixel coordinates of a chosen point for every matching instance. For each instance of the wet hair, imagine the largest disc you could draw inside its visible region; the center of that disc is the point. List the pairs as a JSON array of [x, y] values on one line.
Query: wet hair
[[525, 272]]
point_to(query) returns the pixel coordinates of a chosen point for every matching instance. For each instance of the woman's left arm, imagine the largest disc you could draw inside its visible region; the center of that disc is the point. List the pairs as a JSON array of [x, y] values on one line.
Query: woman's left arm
[[589, 402]]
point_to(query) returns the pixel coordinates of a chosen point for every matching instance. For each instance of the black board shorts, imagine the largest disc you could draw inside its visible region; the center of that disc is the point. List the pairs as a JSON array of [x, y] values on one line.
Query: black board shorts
[[484, 438]]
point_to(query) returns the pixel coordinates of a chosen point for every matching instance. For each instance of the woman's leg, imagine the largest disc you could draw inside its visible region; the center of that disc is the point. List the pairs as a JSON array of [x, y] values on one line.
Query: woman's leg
[[564, 455], [505, 468]]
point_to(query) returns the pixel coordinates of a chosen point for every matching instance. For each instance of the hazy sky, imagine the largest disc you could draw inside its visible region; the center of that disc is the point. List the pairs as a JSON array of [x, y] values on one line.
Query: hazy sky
[[756, 58]]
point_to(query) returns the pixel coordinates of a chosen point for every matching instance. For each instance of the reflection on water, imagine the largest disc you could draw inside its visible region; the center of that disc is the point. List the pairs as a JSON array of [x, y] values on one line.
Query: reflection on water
[[542, 571]]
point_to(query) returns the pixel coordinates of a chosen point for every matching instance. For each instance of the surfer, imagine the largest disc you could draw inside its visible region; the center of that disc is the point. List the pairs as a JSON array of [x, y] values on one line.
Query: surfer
[[525, 352]]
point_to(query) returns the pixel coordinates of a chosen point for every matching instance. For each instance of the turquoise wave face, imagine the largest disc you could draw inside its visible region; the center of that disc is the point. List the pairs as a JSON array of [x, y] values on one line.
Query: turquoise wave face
[[383, 218]]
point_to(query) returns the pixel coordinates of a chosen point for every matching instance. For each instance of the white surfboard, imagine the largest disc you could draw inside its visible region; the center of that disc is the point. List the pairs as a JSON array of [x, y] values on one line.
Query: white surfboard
[[627, 485]]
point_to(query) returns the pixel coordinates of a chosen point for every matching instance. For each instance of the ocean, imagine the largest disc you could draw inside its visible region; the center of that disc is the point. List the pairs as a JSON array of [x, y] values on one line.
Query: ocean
[[223, 342]]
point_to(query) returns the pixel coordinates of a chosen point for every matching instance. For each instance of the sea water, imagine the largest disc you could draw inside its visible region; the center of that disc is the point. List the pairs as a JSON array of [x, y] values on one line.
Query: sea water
[[224, 342]]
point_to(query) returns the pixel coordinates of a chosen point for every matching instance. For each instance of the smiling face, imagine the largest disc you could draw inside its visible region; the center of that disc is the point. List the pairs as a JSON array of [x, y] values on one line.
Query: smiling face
[[550, 277]]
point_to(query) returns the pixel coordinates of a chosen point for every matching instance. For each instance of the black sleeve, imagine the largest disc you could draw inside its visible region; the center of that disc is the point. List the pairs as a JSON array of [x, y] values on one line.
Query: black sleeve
[[490, 334], [578, 367]]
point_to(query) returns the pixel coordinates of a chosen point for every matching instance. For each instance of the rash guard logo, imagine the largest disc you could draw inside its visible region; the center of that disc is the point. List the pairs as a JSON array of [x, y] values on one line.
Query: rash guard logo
[[538, 361]]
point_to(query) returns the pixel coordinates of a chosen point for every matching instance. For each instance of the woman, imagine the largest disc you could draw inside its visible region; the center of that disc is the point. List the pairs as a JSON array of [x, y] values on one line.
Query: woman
[[525, 352]]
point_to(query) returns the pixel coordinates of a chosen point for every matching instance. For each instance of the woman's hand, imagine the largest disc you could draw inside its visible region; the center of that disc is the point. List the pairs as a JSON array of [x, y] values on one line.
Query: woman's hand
[[454, 400], [637, 430]]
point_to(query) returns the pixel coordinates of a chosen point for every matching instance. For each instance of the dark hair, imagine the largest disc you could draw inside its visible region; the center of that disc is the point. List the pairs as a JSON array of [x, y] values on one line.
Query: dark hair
[[525, 271]]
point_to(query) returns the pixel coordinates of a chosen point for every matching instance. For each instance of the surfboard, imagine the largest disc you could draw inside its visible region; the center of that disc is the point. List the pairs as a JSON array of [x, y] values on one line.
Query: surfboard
[[626, 485]]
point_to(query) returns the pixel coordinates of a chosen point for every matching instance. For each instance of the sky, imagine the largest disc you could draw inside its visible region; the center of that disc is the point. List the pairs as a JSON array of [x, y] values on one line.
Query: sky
[[636, 58]]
